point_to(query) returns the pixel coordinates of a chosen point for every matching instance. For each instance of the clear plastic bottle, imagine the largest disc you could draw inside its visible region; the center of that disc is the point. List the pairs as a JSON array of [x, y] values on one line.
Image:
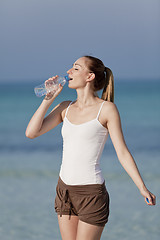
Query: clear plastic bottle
[[52, 86]]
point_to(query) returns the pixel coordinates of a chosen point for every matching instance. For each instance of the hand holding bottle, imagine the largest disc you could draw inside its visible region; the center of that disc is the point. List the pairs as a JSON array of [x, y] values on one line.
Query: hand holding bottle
[[51, 86]]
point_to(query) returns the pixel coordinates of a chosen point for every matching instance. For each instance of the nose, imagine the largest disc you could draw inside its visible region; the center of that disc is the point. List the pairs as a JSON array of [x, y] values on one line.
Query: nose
[[69, 71]]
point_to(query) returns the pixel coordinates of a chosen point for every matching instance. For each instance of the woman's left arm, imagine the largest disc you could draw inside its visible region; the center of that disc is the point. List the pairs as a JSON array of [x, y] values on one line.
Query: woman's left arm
[[123, 154]]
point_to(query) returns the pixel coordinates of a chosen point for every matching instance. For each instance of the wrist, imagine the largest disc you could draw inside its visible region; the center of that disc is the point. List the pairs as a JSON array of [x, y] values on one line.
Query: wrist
[[48, 100], [142, 187]]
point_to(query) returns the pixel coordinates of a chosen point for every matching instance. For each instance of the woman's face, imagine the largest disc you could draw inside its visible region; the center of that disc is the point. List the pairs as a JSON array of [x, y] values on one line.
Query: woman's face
[[79, 74]]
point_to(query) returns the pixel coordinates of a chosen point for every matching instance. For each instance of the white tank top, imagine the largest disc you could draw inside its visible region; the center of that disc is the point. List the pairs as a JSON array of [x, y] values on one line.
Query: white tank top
[[82, 148]]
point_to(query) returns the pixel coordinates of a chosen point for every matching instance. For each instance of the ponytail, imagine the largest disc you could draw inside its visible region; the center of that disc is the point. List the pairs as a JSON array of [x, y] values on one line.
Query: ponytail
[[108, 90], [103, 78]]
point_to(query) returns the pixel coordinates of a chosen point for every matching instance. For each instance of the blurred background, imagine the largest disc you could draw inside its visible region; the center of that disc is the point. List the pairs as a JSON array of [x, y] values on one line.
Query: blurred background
[[42, 38]]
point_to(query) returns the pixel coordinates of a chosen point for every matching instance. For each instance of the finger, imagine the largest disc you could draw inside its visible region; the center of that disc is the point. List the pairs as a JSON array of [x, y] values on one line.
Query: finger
[[60, 87], [150, 200], [55, 76], [153, 199], [58, 90], [46, 82], [48, 96], [51, 78]]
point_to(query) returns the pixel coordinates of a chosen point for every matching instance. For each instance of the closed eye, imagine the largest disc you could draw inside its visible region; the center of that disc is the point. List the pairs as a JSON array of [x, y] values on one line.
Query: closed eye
[[74, 65]]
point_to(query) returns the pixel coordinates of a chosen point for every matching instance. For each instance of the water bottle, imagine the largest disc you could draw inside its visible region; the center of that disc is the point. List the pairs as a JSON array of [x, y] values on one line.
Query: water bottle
[[52, 86]]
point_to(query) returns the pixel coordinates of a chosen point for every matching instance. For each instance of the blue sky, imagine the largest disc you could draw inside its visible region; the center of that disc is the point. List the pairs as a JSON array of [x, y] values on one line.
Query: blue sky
[[42, 38]]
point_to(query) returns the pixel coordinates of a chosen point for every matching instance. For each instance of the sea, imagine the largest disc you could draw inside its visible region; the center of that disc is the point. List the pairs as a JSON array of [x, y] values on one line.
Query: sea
[[29, 168]]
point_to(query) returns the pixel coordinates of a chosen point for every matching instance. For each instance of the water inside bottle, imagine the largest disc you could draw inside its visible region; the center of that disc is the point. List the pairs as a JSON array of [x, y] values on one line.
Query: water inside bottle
[[39, 91], [52, 86]]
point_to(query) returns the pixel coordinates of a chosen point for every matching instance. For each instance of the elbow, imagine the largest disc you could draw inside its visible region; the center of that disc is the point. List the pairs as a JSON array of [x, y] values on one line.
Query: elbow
[[123, 155], [29, 135]]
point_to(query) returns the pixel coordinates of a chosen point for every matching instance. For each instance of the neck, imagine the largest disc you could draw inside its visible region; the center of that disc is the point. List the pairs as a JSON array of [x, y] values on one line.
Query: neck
[[85, 97]]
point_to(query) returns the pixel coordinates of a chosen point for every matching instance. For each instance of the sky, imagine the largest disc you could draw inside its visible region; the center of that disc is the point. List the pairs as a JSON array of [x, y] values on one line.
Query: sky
[[42, 38]]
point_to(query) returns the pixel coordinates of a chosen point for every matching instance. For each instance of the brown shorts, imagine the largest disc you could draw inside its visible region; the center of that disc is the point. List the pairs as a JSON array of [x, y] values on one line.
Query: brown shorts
[[89, 202]]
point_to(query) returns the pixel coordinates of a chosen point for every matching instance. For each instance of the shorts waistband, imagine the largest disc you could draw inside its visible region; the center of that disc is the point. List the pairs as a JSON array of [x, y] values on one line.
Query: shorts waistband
[[84, 189]]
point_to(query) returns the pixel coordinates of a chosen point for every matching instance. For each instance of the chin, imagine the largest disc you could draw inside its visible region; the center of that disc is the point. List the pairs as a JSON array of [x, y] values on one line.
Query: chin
[[70, 85], [75, 85]]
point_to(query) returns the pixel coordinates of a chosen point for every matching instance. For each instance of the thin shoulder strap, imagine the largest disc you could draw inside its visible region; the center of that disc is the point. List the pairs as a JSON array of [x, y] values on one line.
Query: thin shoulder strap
[[100, 109], [67, 109]]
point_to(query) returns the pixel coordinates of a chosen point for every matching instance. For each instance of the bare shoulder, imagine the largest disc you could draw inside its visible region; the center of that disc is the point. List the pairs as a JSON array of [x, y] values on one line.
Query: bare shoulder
[[110, 106], [65, 103], [110, 110], [64, 106], [61, 106]]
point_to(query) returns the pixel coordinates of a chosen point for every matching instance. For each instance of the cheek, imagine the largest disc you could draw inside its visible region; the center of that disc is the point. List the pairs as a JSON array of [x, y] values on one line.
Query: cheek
[[81, 80], [77, 82]]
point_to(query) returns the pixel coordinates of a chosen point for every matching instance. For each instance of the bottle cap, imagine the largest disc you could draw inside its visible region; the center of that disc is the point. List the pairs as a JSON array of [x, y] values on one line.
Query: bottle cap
[[147, 200], [67, 78]]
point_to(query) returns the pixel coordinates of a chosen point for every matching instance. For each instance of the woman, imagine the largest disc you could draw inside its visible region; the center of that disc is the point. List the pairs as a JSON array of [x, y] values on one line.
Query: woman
[[82, 201]]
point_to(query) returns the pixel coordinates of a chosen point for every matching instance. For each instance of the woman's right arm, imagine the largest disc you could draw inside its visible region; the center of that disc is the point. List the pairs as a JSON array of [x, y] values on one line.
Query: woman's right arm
[[39, 125]]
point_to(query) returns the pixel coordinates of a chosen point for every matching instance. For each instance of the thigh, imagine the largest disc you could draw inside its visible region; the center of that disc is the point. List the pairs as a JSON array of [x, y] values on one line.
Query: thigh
[[68, 227], [87, 231]]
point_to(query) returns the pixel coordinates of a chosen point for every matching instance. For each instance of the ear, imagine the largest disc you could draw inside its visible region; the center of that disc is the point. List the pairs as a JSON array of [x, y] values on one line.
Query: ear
[[91, 77]]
